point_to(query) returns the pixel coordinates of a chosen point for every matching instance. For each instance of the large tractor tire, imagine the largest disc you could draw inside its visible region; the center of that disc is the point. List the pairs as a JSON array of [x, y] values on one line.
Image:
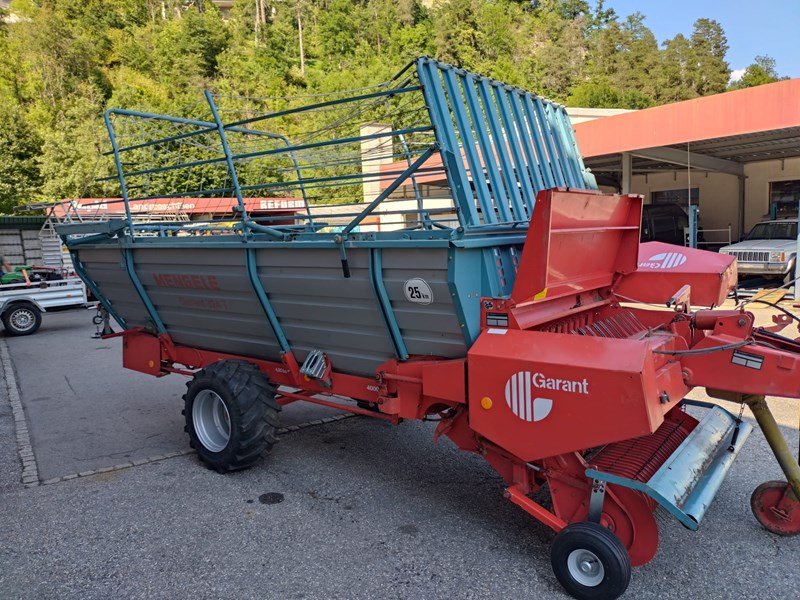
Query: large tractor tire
[[21, 318], [231, 415]]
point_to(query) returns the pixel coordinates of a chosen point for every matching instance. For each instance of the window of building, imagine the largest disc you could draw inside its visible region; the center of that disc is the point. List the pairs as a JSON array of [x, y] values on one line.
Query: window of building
[[783, 198], [675, 196]]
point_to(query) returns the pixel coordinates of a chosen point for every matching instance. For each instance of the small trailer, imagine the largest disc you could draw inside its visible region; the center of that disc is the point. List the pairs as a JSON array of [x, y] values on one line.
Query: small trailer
[[22, 303], [497, 316]]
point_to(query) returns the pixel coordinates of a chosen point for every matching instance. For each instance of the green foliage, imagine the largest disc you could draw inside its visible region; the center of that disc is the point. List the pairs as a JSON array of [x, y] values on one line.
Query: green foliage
[[62, 62], [760, 72], [19, 171]]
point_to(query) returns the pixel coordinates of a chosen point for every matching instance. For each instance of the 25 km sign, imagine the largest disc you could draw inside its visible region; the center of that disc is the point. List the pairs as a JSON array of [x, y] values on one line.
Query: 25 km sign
[[418, 291]]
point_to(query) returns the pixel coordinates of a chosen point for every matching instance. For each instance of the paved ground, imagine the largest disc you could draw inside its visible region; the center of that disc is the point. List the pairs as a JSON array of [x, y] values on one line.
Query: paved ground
[[369, 510], [86, 412]]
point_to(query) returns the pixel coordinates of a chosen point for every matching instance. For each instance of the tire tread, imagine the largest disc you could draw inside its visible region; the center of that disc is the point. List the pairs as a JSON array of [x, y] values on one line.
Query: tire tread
[[254, 399]]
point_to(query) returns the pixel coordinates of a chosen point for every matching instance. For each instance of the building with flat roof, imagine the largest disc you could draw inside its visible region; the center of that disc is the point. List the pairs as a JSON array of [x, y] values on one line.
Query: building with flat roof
[[737, 154]]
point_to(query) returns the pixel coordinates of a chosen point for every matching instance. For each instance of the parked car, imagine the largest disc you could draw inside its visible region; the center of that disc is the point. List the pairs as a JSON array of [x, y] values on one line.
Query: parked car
[[665, 223], [770, 250], [22, 302]]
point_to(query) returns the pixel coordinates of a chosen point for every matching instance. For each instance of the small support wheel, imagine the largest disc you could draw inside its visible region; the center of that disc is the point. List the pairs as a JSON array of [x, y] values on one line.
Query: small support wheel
[[775, 507], [231, 415], [590, 562], [22, 318]]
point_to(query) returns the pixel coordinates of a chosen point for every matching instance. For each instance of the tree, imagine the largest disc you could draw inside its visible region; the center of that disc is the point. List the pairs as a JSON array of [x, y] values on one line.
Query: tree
[[678, 73], [760, 72], [709, 46], [66, 61], [594, 94], [19, 173]]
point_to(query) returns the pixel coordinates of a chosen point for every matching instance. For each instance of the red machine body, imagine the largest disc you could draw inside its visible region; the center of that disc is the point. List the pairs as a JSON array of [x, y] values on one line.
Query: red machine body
[[664, 268], [554, 393], [568, 386]]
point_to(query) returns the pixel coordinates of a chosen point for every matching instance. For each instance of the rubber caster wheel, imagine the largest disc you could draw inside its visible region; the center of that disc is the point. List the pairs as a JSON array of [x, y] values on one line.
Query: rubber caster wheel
[[775, 507], [590, 562]]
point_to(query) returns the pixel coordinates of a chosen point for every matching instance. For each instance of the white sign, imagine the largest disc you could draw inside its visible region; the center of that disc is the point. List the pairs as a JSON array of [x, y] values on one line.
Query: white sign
[[664, 260], [418, 291], [522, 387]]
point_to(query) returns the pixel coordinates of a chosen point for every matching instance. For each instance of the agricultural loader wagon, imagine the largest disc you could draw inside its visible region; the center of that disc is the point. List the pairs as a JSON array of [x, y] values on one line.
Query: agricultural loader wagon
[[473, 282]]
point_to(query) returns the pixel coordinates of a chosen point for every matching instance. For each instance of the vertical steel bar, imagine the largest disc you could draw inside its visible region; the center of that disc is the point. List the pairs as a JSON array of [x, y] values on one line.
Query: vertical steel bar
[[498, 191], [527, 148], [501, 149], [120, 173], [558, 138], [223, 138], [575, 152], [775, 439], [570, 148], [528, 193], [378, 286], [145, 298], [424, 217], [468, 144], [263, 300], [537, 133], [464, 199], [547, 134]]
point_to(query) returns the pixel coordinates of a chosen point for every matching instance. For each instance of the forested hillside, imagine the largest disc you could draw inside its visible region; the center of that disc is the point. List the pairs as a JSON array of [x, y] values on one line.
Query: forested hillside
[[63, 61]]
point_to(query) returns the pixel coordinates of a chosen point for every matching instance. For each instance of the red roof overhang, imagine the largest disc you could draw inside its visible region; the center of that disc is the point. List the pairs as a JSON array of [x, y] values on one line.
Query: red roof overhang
[[221, 206], [770, 107]]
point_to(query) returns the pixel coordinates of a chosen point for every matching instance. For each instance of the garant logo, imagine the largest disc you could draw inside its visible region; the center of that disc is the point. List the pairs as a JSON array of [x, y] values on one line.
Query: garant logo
[[664, 260], [521, 392]]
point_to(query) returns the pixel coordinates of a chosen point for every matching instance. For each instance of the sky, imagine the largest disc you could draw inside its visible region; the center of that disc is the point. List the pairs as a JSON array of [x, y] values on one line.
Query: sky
[[770, 27]]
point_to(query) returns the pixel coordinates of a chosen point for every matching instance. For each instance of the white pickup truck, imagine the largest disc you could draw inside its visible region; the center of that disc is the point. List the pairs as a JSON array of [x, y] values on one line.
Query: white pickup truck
[[22, 304]]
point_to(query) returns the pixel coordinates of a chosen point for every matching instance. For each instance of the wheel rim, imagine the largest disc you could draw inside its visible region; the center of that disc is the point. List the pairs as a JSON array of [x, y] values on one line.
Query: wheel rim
[[585, 567], [22, 319], [774, 506], [211, 420]]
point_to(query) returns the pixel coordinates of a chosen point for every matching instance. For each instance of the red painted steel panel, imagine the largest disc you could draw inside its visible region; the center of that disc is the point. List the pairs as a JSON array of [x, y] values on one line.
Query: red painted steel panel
[[664, 268], [577, 241], [555, 393]]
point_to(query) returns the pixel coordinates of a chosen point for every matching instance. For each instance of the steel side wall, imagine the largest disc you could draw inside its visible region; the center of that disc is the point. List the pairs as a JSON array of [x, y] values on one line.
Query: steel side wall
[[206, 300]]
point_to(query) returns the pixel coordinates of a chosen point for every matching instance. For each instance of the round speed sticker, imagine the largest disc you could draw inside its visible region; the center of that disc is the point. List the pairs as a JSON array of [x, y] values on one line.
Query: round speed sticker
[[418, 291]]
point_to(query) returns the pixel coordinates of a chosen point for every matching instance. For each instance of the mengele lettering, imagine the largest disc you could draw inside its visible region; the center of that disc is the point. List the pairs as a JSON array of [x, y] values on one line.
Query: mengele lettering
[[182, 280]]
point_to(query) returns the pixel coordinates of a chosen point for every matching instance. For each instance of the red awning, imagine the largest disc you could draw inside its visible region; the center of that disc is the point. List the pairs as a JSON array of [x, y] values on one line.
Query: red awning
[[112, 206], [770, 107]]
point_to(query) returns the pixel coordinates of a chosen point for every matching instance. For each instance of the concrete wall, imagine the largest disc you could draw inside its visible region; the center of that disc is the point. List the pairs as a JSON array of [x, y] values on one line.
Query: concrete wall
[[719, 194], [756, 187], [719, 197]]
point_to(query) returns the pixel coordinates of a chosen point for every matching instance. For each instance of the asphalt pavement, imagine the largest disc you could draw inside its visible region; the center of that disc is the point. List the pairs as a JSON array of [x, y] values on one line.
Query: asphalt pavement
[[354, 508]]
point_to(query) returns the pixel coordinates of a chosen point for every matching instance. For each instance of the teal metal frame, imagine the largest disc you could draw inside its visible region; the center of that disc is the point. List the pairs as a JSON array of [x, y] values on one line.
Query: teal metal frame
[[127, 255], [499, 146], [80, 270], [263, 300], [378, 286]]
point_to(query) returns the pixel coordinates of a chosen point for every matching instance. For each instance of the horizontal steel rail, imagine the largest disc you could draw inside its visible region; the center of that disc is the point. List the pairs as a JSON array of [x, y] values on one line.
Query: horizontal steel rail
[[308, 107]]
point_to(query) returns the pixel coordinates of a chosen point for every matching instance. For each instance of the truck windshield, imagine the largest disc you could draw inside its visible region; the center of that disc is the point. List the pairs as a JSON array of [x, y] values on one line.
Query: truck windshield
[[774, 231]]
